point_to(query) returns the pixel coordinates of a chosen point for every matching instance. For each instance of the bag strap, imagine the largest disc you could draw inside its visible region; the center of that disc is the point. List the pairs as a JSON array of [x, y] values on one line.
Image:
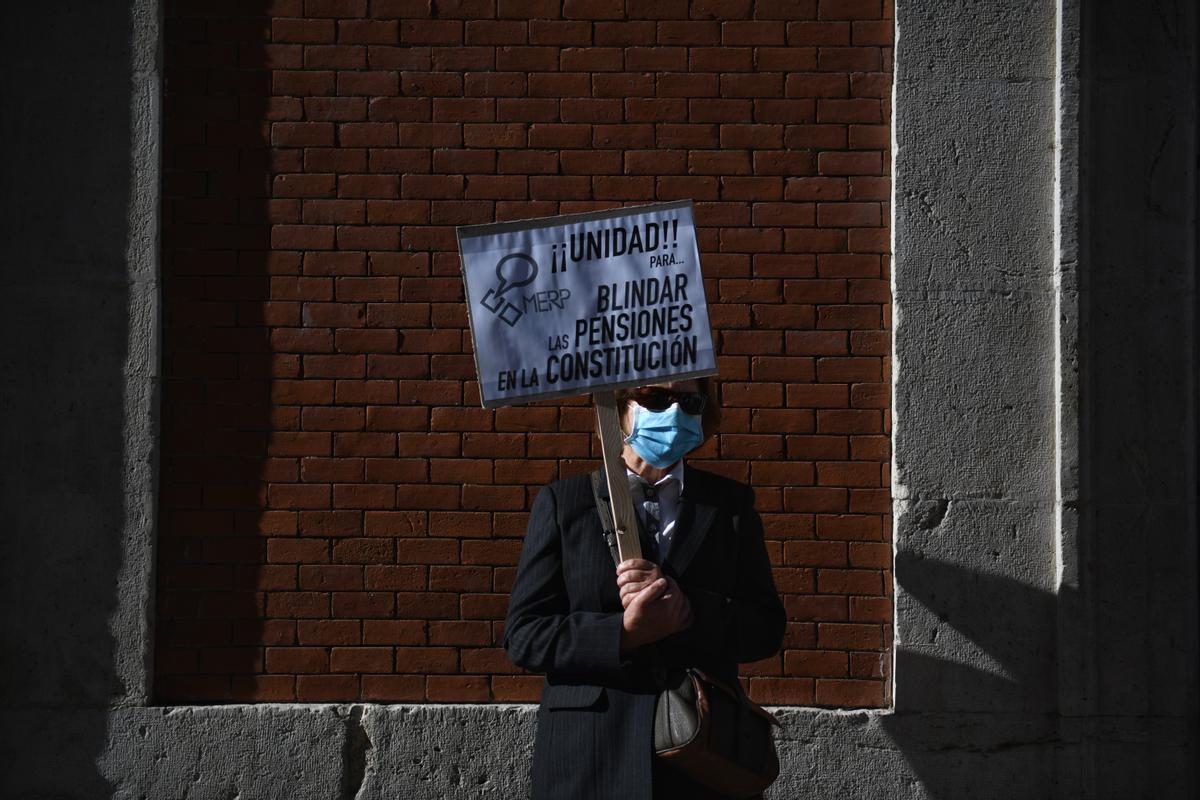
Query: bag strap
[[606, 517], [737, 693]]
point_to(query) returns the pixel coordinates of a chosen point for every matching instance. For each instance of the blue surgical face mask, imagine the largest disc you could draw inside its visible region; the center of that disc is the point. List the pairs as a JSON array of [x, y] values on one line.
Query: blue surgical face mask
[[663, 437]]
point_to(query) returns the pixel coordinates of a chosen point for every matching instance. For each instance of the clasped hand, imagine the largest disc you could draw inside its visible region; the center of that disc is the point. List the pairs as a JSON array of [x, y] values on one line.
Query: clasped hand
[[655, 606]]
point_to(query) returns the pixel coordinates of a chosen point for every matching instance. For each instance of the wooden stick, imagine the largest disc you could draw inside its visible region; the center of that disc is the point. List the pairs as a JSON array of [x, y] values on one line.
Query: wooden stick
[[608, 423]]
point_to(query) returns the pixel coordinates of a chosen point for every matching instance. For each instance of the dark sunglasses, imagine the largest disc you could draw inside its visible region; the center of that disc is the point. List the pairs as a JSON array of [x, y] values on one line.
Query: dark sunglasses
[[657, 399]]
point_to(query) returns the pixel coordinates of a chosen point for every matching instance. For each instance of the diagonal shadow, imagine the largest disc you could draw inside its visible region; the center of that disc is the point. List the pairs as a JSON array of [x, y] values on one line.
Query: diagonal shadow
[[976, 678]]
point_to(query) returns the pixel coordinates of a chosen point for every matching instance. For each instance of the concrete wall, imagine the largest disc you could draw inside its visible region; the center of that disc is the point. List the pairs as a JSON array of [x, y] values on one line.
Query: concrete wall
[[1045, 439]]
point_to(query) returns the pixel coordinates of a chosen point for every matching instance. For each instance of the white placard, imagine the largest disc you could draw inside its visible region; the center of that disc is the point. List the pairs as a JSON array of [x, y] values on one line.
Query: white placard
[[586, 302]]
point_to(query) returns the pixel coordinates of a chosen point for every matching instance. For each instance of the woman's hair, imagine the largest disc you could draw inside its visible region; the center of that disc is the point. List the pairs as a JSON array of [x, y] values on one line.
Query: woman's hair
[[710, 420]]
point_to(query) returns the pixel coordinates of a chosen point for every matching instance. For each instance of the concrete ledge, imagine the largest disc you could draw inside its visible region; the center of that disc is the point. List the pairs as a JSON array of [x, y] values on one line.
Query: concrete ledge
[[428, 752]]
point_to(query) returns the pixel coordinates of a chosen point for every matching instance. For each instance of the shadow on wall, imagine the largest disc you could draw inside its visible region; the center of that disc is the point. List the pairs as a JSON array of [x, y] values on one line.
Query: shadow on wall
[[66, 95], [1001, 629], [218, 359], [985, 726]]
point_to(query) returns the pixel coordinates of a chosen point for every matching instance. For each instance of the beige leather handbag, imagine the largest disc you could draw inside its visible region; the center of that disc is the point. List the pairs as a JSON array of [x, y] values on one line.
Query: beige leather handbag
[[716, 735]]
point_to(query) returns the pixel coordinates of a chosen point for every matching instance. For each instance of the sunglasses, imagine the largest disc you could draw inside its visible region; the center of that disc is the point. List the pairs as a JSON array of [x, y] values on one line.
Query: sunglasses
[[658, 399]]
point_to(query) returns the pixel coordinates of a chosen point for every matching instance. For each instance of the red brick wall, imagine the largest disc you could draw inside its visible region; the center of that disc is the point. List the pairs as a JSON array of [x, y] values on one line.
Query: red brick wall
[[340, 521]]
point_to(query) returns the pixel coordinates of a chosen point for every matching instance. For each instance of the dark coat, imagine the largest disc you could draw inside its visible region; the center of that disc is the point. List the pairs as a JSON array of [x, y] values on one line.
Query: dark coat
[[595, 723]]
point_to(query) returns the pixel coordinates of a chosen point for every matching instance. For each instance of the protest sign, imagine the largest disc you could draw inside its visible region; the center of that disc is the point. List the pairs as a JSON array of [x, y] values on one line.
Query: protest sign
[[585, 302]]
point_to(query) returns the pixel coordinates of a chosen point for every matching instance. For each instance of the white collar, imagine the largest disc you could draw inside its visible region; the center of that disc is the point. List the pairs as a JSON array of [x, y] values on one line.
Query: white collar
[[675, 472]]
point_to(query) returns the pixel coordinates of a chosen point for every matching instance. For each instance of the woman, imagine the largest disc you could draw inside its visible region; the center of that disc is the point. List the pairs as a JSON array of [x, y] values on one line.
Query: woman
[[609, 640]]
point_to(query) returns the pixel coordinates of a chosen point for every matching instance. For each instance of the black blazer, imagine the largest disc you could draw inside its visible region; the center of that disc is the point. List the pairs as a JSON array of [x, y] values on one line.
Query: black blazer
[[595, 723]]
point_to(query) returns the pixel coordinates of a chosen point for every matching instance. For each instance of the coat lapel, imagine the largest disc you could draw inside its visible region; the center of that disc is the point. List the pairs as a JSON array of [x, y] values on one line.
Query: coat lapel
[[695, 519]]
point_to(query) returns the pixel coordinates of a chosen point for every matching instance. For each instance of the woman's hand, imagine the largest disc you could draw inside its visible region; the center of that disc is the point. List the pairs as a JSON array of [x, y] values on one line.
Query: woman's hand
[[655, 610], [634, 575]]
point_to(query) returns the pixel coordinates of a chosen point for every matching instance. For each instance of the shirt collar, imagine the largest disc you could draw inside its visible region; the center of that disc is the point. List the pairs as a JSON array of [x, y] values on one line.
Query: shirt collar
[[675, 472]]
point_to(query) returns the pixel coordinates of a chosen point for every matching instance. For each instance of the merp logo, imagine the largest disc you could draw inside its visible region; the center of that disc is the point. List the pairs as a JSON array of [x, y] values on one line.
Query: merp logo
[[513, 271]]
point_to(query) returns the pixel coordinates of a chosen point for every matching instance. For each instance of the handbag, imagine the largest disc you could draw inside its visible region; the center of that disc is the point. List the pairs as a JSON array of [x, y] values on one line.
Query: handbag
[[708, 730]]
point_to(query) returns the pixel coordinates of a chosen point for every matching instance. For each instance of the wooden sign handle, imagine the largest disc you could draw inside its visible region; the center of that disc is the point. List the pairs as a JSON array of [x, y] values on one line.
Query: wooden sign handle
[[608, 423]]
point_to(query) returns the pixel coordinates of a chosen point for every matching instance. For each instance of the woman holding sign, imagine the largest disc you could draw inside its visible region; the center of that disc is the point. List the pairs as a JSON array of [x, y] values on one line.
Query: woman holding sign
[[610, 640]]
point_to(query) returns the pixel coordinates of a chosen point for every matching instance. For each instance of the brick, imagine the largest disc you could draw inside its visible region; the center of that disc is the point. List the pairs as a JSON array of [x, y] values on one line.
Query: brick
[[431, 31], [360, 659], [516, 688], [789, 111], [788, 580], [360, 551], [469, 632], [398, 57], [559, 32], [297, 551], [849, 693], [847, 370], [589, 59], [324, 688], [814, 33], [870, 609], [401, 578], [860, 527], [850, 636], [484, 606], [870, 32], [849, 581], [867, 665], [691, 33], [835, 265], [297, 659], [526, 59], [757, 32], [264, 688], [468, 688], [623, 34], [295, 496], [872, 501], [871, 555], [802, 446], [393, 632], [816, 663], [301, 134], [495, 135], [593, 9], [335, 8], [849, 9], [815, 554], [815, 499], [782, 691], [393, 688], [495, 32], [372, 83], [425, 660], [302, 30], [363, 604], [368, 31], [490, 552], [334, 57], [623, 85], [329, 632], [526, 109], [462, 579], [849, 164]]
